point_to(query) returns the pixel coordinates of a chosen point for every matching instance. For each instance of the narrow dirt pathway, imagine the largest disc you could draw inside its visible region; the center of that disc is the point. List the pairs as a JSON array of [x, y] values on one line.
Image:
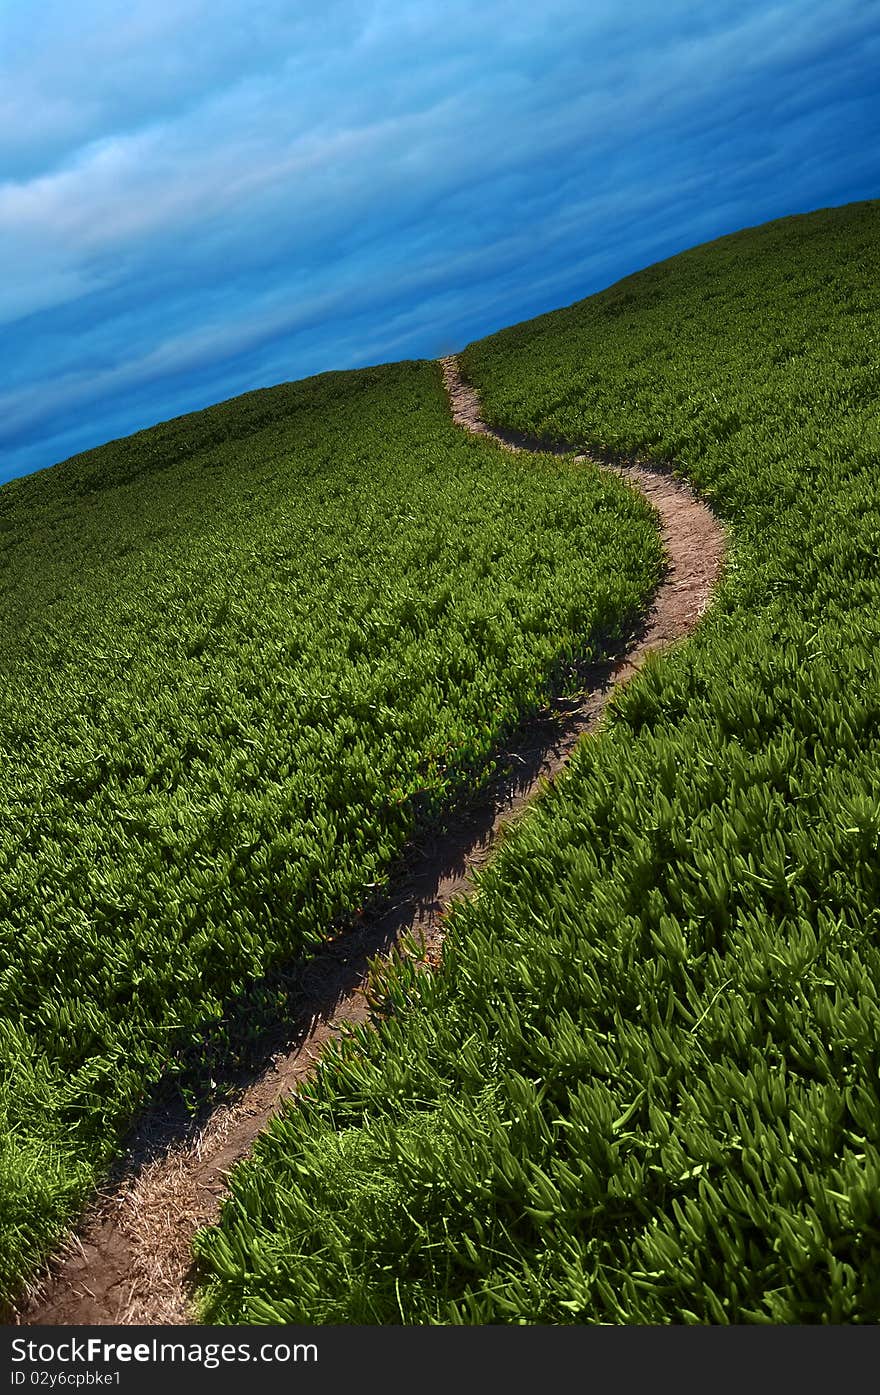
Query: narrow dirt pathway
[[130, 1260]]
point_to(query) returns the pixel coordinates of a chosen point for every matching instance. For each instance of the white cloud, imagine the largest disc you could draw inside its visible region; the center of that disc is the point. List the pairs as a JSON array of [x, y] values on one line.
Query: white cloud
[[223, 188]]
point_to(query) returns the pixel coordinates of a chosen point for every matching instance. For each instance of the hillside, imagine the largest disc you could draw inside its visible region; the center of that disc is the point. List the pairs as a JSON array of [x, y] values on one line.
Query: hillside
[[246, 657], [644, 1087]]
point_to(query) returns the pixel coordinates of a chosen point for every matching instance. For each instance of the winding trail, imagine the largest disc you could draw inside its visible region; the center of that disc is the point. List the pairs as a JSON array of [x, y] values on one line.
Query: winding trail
[[130, 1260]]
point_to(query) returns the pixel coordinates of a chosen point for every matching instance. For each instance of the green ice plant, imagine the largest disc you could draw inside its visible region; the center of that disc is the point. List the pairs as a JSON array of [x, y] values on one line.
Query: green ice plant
[[245, 657], [644, 1086]]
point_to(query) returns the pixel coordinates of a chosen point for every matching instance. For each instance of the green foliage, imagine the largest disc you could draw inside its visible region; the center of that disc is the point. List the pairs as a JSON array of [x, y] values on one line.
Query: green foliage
[[644, 1087], [244, 657]]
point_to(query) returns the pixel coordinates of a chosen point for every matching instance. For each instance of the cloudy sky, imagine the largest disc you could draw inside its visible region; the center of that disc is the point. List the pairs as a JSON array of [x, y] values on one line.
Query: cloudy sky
[[199, 197]]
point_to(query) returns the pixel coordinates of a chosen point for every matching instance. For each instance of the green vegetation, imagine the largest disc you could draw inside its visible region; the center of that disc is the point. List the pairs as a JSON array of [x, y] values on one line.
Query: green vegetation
[[243, 657], [644, 1087]]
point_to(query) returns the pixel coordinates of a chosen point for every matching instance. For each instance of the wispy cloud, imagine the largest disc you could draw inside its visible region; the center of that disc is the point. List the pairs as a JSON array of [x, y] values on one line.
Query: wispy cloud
[[197, 198]]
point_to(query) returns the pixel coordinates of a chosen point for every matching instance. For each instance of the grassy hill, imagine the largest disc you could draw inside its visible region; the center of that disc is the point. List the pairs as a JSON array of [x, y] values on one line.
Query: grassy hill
[[644, 1088], [244, 657]]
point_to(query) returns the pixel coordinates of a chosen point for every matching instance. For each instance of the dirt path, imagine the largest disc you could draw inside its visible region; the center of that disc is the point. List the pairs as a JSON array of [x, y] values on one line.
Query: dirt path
[[130, 1260]]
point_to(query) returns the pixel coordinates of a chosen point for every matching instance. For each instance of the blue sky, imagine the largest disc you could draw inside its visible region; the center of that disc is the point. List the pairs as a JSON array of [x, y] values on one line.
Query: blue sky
[[199, 197]]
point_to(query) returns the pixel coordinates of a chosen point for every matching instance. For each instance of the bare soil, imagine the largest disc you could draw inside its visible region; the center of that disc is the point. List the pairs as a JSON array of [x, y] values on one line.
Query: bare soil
[[130, 1259]]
